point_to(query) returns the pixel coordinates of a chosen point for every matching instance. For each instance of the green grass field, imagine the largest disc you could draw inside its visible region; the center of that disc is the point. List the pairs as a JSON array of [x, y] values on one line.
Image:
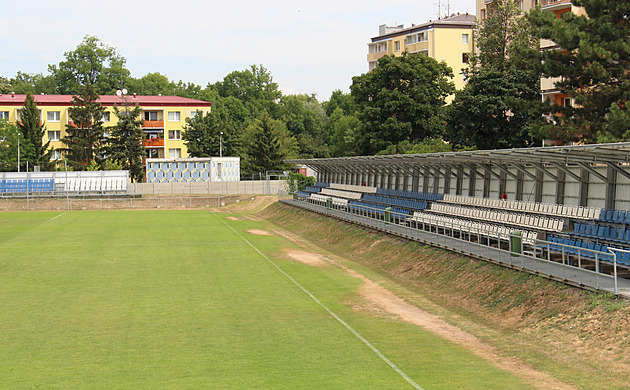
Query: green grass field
[[177, 299]]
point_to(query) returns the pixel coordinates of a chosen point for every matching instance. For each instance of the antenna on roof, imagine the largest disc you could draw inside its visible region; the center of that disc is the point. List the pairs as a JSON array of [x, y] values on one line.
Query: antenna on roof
[[444, 8]]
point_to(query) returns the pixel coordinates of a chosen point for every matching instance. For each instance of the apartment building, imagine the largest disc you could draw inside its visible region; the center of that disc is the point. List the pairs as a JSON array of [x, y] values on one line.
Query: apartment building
[[559, 7], [448, 39], [164, 119]]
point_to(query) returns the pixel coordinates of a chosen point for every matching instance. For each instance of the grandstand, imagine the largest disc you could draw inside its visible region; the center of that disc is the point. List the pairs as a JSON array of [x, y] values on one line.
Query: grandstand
[[17, 184], [563, 208]]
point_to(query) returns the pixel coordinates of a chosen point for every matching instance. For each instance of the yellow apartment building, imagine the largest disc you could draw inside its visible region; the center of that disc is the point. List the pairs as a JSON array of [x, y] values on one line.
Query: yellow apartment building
[[448, 39], [559, 7], [164, 119]]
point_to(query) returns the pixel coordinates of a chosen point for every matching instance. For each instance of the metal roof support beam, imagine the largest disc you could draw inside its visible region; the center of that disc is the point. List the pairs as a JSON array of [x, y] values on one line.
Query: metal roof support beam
[[584, 187], [566, 171], [560, 185], [593, 172], [524, 171], [541, 168], [611, 188], [618, 169], [504, 170]]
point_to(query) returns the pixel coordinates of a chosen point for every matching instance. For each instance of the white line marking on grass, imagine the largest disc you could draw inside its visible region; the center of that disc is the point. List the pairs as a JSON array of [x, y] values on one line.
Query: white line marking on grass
[[332, 313], [53, 218]]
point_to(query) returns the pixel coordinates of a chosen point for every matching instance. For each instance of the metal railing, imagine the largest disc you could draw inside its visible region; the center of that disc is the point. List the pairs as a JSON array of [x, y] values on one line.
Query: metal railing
[[572, 265]]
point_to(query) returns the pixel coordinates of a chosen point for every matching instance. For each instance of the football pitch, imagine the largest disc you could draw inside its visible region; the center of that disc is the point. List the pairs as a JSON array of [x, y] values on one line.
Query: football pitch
[[193, 299]]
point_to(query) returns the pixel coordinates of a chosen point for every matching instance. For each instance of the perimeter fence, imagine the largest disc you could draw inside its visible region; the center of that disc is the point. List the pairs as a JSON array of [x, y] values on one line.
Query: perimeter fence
[[143, 196]]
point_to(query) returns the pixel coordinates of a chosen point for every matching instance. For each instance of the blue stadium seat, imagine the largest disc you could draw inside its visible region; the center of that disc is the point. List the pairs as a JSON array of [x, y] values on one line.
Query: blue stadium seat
[[609, 214], [602, 214]]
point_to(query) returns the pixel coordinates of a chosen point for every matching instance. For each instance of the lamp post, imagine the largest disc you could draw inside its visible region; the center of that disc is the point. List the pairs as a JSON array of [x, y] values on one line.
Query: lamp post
[[18, 134], [221, 144]]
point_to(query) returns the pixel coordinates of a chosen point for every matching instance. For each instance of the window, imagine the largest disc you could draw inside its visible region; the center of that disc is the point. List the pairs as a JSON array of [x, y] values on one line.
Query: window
[[174, 153], [411, 39], [566, 102], [423, 36], [56, 155], [150, 116], [106, 134], [173, 116], [53, 116], [219, 171], [483, 14], [54, 135], [465, 58], [397, 46], [4, 115], [465, 39], [193, 114], [106, 117], [174, 134]]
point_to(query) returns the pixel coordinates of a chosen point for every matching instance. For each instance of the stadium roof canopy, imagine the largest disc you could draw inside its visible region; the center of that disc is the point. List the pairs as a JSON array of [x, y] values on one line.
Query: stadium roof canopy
[[612, 154]]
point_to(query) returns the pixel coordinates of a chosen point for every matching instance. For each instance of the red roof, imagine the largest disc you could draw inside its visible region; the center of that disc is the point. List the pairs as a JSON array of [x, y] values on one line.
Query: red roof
[[106, 100]]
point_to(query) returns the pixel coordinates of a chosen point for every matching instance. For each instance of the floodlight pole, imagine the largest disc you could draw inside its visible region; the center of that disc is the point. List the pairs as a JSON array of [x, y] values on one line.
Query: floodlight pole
[[221, 144]]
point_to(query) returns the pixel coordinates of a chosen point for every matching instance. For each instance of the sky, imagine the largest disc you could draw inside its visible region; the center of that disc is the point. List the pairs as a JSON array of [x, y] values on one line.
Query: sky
[[311, 47]]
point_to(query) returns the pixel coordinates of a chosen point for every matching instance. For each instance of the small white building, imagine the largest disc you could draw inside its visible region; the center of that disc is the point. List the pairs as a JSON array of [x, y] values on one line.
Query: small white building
[[190, 170]]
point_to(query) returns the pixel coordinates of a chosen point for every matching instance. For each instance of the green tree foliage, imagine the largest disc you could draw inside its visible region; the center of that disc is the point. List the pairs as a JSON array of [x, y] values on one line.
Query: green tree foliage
[[501, 99], [343, 131], [304, 117], [341, 100], [92, 62], [34, 151], [402, 99], [8, 146], [268, 143], [493, 110], [429, 145], [84, 138], [202, 133], [25, 83], [125, 142], [254, 87], [298, 182], [593, 62]]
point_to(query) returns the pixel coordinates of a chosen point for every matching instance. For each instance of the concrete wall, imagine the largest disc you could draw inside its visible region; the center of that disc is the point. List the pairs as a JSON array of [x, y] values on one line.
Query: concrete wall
[[256, 187]]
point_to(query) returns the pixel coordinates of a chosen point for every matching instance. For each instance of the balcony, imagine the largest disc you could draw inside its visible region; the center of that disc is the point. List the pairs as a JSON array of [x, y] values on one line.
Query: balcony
[[153, 142], [153, 124], [556, 5]]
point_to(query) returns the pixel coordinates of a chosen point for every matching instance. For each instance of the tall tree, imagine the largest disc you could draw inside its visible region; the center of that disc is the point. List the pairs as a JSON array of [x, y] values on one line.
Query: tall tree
[[403, 98], [92, 62], [125, 142], [593, 63], [203, 132], [85, 137], [268, 143], [254, 87], [305, 118], [343, 132], [9, 134], [501, 99], [35, 151]]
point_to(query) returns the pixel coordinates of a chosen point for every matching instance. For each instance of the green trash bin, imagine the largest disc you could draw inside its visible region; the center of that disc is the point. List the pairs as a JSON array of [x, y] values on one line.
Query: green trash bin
[[295, 196], [516, 242], [388, 215], [329, 203]]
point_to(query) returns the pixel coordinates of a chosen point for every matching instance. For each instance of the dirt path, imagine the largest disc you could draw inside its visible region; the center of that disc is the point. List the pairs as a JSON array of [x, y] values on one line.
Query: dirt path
[[376, 298]]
